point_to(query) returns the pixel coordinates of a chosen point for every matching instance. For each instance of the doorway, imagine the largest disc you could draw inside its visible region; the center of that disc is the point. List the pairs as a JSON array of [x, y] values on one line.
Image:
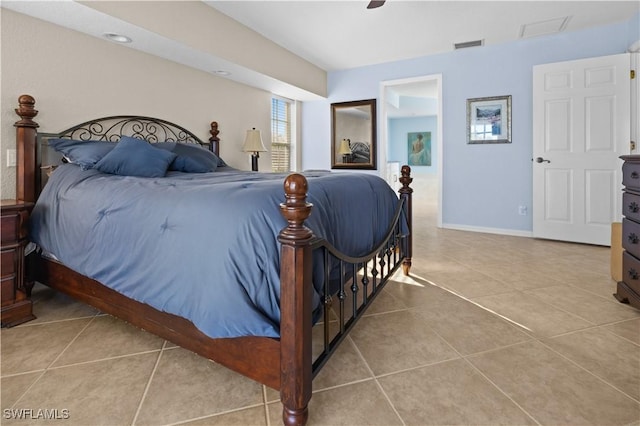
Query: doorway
[[410, 108]]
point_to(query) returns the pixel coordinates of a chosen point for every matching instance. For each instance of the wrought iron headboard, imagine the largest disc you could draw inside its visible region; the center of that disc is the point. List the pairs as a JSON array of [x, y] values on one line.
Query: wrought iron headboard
[[147, 128], [111, 129]]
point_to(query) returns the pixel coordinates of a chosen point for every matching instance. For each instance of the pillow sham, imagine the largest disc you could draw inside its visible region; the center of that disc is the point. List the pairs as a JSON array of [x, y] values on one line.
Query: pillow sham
[[136, 157], [190, 158], [83, 153]]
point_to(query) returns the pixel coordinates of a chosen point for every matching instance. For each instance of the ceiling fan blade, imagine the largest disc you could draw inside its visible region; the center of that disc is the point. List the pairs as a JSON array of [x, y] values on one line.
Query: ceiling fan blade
[[375, 3]]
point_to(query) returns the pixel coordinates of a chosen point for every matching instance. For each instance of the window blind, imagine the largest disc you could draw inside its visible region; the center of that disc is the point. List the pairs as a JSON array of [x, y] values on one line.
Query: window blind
[[280, 135]]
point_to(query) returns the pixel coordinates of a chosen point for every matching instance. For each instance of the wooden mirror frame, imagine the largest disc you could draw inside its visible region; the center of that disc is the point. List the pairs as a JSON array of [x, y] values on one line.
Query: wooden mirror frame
[[355, 123]]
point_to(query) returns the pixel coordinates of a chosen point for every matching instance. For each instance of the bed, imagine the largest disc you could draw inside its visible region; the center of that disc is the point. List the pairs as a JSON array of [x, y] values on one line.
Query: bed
[[309, 267]]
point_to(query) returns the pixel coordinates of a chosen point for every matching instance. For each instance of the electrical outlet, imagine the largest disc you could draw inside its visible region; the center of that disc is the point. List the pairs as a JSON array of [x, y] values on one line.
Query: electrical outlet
[[11, 158], [522, 210]]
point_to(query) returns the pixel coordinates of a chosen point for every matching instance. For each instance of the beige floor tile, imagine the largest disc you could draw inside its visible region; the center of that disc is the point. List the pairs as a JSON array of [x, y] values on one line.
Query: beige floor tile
[[272, 395], [419, 292], [482, 255], [552, 389], [596, 310], [439, 263], [612, 358], [35, 347], [186, 386], [13, 387], [450, 393], [518, 276], [248, 417], [98, 393], [107, 337], [630, 330], [385, 302], [472, 329], [602, 287], [470, 283], [532, 313], [578, 273], [50, 305], [351, 405], [397, 341], [169, 344], [345, 366]]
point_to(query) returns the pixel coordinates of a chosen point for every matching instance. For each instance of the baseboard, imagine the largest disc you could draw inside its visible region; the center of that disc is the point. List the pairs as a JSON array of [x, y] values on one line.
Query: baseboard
[[498, 231]]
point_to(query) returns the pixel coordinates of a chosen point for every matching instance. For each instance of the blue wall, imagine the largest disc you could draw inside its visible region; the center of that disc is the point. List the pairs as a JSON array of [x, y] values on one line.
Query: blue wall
[[483, 185], [398, 146]]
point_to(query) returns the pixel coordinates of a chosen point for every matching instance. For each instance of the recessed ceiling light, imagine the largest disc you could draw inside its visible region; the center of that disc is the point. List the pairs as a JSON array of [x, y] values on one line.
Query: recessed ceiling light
[[222, 72], [118, 38]]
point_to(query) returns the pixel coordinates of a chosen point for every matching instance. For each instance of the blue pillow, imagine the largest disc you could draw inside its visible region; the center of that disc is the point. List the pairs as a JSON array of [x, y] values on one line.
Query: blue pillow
[[136, 157], [190, 158], [83, 153]]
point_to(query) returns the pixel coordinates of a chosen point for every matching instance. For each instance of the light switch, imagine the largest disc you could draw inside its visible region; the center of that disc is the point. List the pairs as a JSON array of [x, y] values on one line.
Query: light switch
[[11, 158]]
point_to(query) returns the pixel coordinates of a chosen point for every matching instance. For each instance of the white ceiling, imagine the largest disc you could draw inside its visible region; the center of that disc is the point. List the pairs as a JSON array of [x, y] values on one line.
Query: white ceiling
[[336, 34], [345, 34]]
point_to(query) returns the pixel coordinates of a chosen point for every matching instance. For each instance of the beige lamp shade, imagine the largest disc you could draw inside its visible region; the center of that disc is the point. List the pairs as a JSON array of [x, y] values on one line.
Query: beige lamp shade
[[344, 147], [253, 142]]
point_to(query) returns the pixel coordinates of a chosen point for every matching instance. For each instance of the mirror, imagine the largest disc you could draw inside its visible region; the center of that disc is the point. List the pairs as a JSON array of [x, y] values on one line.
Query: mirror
[[353, 135]]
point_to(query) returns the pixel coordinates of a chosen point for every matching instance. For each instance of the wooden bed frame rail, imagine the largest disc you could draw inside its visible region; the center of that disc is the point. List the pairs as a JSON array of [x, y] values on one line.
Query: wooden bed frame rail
[[284, 364]]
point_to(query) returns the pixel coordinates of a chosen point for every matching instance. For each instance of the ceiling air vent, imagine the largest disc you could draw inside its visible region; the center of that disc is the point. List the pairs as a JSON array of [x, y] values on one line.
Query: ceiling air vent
[[466, 44]]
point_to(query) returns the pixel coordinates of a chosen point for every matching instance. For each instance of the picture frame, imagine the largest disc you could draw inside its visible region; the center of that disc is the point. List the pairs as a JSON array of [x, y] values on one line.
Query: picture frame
[[489, 120], [353, 135], [419, 148]]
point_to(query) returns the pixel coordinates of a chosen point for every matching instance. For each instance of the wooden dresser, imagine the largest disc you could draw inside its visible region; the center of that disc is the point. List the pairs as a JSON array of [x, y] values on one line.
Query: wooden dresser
[[628, 290], [15, 291]]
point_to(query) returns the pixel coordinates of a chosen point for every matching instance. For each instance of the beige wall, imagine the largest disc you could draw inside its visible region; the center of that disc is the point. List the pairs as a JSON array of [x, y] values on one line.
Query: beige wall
[[75, 77], [218, 35]]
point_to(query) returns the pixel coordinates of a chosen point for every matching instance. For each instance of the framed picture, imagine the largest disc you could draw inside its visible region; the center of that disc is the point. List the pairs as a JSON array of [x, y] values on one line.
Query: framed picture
[[419, 148], [353, 135], [489, 120]]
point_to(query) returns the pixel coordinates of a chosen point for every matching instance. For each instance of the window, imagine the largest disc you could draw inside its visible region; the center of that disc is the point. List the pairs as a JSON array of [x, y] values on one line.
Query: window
[[280, 135]]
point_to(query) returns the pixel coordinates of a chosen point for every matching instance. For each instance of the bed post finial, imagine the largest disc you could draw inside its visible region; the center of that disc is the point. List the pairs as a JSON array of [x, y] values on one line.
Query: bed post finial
[[26, 149], [26, 111], [295, 303], [295, 209], [405, 193], [214, 140]]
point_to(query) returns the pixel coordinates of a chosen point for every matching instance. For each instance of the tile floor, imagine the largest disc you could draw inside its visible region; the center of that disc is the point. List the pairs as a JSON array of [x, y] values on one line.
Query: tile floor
[[489, 329]]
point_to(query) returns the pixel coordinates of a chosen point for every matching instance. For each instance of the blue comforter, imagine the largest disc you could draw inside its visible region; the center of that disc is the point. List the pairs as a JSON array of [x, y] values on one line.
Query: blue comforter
[[201, 246]]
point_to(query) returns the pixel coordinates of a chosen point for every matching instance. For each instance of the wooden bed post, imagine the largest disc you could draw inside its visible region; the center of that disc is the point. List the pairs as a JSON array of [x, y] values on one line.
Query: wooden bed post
[[214, 140], [26, 149], [405, 193], [295, 303]]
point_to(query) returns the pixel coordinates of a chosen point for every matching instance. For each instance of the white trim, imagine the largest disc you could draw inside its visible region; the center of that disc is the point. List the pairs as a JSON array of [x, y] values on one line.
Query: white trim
[[498, 231], [635, 98], [383, 131]]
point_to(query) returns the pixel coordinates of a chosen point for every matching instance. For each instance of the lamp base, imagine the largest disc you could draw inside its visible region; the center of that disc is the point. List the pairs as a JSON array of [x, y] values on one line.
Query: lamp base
[[254, 161]]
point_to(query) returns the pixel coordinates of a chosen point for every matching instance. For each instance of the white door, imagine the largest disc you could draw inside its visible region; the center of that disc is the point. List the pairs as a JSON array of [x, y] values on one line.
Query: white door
[[581, 125]]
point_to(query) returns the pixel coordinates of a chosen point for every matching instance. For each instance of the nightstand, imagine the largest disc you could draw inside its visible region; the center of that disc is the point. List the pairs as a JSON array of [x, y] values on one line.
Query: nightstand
[[15, 291]]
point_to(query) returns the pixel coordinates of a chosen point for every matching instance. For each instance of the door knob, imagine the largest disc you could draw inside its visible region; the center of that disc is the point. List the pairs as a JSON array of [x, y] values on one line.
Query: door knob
[[542, 160]]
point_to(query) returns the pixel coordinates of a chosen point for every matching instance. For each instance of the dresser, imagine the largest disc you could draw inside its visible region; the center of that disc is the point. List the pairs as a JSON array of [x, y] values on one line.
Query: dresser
[[628, 290], [15, 291]]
